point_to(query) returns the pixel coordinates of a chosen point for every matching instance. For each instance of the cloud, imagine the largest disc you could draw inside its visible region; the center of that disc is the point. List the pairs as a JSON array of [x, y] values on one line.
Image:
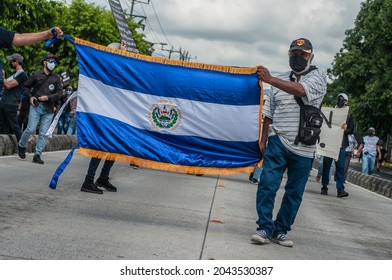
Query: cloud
[[249, 32]]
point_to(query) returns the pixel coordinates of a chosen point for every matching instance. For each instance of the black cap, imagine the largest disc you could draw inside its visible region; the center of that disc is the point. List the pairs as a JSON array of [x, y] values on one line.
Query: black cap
[[301, 44]]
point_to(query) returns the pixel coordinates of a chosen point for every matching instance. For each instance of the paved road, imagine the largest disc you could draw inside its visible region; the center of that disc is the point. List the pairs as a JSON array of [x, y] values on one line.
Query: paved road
[[169, 216]]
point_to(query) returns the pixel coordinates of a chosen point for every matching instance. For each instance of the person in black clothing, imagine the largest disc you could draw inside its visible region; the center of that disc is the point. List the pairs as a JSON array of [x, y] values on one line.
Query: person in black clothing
[[380, 160], [47, 90], [23, 113], [12, 96], [102, 181], [348, 127]]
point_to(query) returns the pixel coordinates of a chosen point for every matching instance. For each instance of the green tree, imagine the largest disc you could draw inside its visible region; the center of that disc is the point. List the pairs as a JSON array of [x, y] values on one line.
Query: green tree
[[91, 23], [363, 69], [79, 19], [24, 16]]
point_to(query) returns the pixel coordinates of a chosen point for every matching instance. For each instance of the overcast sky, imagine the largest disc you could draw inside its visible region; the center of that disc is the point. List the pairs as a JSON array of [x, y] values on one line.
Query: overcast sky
[[246, 32]]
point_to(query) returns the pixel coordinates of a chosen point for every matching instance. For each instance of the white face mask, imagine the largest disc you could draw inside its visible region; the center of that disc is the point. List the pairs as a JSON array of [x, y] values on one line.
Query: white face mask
[[51, 65]]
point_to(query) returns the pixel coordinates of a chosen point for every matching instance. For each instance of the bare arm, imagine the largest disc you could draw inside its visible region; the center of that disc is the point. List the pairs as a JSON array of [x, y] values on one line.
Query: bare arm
[[379, 152], [25, 39], [264, 133], [287, 86], [359, 150], [9, 84], [12, 84]]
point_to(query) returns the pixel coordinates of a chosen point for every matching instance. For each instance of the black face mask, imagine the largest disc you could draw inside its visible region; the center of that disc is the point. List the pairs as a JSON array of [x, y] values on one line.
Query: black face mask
[[341, 103], [298, 63]]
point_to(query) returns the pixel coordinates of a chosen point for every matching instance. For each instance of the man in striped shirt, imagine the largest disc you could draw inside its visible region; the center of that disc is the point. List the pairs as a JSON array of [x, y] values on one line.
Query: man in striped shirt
[[281, 113]]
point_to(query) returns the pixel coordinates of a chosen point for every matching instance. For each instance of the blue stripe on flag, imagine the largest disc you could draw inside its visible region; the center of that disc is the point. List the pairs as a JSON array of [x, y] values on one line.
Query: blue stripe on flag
[[168, 80], [109, 135]]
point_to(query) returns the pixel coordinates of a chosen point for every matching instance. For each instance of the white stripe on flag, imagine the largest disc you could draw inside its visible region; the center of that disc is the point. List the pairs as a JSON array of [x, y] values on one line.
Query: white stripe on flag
[[202, 119]]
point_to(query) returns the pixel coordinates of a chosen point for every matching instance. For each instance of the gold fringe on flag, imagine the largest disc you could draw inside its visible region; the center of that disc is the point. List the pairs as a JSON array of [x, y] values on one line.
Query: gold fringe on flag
[[225, 69], [163, 166]]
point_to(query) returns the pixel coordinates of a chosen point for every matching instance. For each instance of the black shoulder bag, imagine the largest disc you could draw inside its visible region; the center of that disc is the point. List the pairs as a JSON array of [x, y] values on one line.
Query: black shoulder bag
[[310, 122], [310, 119]]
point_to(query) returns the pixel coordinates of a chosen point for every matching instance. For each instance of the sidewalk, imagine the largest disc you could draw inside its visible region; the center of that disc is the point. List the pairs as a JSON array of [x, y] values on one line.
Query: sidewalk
[[369, 182], [385, 168]]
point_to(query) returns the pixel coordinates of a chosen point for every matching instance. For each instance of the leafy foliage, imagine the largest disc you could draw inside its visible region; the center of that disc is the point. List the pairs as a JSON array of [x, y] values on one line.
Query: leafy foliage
[[79, 19], [363, 67], [24, 16]]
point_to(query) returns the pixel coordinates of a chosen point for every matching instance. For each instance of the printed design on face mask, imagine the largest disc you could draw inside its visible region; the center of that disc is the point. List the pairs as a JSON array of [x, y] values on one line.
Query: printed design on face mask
[[165, 115]]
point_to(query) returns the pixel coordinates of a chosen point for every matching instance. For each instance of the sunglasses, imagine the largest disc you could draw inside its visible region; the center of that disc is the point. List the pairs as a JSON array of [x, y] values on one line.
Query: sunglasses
[[51, 60]]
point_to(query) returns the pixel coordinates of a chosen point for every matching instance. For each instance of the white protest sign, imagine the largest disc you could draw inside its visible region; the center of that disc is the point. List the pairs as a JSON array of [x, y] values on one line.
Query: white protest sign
[[331, 137]]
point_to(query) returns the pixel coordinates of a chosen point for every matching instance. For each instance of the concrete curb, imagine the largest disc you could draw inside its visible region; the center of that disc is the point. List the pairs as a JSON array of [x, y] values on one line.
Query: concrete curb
[[371, 183], [9, 145]]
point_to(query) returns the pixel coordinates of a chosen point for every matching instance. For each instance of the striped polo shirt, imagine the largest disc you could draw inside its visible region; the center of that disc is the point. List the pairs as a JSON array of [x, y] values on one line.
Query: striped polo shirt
[[282, 108]]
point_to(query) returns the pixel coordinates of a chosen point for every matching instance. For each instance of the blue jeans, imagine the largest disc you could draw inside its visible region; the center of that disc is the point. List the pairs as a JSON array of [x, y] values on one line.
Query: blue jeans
[[339, 174], [37, 115], [277, 159], [63, 123], [72, 126], [320, 168], [368, 162]]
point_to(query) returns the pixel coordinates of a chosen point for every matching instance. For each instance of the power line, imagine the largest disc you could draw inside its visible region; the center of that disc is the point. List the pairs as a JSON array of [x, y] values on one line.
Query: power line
[[163, 32], [153, 34], [133, 13], [183, 55]]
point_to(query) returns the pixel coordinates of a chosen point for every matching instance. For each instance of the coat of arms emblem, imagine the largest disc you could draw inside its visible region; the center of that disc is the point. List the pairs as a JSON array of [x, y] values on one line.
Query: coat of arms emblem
[[165, 115]]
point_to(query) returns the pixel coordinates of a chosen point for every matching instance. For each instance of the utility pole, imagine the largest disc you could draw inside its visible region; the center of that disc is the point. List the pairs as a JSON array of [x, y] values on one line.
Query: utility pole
[[170, 51], [184, 56], [133, 2]]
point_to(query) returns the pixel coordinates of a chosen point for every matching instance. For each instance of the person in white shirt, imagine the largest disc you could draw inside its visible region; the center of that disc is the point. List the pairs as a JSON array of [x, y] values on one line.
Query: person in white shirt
[[369, 147]]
